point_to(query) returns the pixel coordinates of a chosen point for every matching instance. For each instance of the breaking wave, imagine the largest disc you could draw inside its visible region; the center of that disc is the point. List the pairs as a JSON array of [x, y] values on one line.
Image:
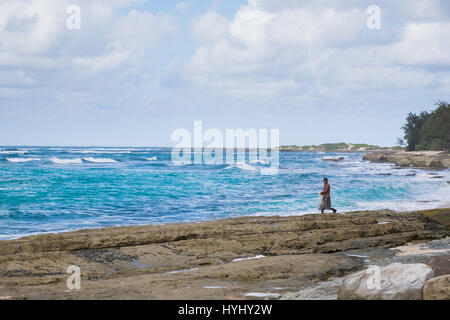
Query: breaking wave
[[99, 160], [18, 160], [65, 161]]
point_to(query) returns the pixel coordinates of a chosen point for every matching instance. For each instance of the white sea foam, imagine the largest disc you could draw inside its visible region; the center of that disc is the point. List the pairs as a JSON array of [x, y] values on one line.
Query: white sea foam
[[107, 149], [18, 160], [245, 166], [388, 169], [100, 151], [427, 176], [242, 166], [13, 151], [399, 205], [428, 199], [99, 160], [152, 158], [66, 161], [367, 168]]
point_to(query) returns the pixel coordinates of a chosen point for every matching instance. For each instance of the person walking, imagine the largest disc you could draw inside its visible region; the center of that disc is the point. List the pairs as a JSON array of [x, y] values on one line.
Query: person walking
[[325, 193]]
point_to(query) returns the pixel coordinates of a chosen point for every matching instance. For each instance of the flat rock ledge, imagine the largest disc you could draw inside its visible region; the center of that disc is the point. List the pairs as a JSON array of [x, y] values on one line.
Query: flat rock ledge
[[426, 159], [239, 258]]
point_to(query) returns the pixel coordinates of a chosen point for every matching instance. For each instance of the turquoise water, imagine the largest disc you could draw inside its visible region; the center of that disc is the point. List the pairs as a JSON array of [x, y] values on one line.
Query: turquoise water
[[49, 189]]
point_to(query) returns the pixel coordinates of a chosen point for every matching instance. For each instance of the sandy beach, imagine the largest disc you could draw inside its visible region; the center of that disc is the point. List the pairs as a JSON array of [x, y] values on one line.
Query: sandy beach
[[241, 258]]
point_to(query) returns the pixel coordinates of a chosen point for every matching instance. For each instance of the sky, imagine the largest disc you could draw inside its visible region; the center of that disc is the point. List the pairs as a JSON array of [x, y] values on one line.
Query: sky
[[137, 70]]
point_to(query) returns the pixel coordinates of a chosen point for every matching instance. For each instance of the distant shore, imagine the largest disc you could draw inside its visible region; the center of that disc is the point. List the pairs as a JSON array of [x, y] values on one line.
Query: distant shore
[[401, 158], [338, 147], [239, 258], [417, 159], [327, 151]]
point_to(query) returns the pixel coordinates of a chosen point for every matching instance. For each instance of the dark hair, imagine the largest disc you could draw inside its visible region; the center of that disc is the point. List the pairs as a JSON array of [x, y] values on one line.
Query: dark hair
[[325, 178]]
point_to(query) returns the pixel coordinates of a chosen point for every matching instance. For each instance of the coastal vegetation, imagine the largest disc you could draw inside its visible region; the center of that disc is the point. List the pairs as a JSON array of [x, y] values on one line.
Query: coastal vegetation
[[341, 146], [423, 131], [428, 130]]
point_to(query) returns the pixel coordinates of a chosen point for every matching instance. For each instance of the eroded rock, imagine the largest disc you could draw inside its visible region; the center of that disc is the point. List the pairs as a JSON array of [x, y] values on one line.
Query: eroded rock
[[396, 281], [437, 288], [440, 265], [199, 260]]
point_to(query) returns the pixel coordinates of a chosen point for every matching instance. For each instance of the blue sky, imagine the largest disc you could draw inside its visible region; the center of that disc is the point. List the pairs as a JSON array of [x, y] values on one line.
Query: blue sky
[[137, 70]]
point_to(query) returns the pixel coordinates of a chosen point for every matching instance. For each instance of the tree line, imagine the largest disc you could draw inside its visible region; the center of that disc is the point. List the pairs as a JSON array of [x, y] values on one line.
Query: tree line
[[428, 130]]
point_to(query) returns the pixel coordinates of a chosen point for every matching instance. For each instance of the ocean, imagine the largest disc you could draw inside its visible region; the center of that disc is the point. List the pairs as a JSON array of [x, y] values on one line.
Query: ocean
[[56, 189]]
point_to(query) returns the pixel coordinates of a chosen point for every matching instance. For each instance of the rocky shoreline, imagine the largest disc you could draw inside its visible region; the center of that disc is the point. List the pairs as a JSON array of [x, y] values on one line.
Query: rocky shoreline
[[417, 159], [239, 258], [337, 147]]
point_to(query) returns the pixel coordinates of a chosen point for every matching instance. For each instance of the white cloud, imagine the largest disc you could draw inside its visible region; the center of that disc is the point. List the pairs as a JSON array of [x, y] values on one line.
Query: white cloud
[[321, 29], [423, 44], [141, 30], [108, 60], [36, 44], [311, 49], [28, 27], [182, 6], [211, 27], [16, 78]]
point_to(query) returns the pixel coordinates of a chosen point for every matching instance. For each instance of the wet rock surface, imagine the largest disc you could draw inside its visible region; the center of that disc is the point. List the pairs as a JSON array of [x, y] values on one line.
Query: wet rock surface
[[225, 259], [435, 254], [426, 159]]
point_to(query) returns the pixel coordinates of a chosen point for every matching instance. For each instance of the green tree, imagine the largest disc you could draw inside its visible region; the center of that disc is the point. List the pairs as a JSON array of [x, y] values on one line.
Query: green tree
[[435, 132], [412, 129], [428, 131]]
